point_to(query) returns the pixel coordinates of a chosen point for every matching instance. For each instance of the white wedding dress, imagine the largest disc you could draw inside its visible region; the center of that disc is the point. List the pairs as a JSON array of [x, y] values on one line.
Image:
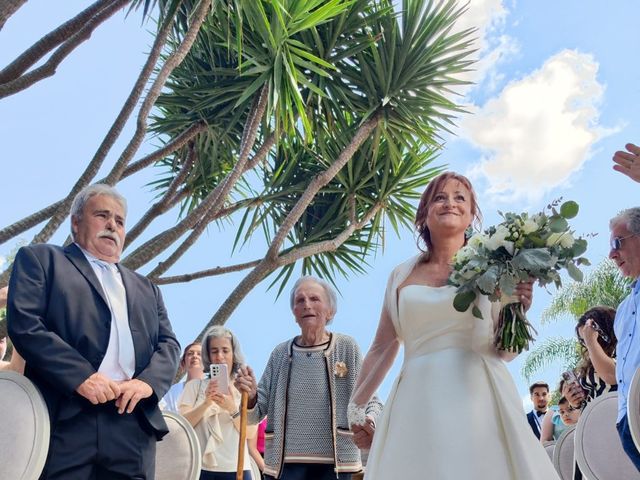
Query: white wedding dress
[[453, 412]]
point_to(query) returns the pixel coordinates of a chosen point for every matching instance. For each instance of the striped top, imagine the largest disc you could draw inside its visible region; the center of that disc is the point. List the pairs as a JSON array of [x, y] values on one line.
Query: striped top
[[594, 386], [309, 438]]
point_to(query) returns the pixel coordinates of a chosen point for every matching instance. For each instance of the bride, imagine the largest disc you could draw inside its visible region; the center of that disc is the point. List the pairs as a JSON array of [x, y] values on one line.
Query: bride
[[453, 412]]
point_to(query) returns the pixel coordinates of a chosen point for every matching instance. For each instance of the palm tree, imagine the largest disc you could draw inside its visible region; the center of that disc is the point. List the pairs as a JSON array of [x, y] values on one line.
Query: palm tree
[[604, 286], [311, 123]]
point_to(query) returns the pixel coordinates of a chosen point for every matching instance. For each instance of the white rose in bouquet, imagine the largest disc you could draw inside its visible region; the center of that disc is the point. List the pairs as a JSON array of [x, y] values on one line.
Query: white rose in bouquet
[[529, 226]]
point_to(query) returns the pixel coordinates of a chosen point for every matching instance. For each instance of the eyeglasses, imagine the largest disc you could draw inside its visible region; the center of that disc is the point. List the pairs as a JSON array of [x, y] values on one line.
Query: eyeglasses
[[616, 242]]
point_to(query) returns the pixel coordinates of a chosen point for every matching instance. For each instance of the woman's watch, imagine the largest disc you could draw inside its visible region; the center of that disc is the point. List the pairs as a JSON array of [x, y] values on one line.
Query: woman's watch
[[236, 414]]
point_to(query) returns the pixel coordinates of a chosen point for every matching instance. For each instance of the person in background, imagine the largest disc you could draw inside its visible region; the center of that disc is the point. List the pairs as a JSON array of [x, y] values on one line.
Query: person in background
[[596, 370], [557, 419], [214, 413], [539, 394], [97, 343], [256, 446], [191, 361]]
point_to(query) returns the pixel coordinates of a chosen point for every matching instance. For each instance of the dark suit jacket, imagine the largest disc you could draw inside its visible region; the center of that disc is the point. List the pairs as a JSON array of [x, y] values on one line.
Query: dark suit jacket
[[59, 321], [531, 418]]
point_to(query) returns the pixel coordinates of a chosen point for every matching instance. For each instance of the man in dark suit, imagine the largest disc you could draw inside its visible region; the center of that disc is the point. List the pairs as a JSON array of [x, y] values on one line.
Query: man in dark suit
[[98, 345], [539, 392]]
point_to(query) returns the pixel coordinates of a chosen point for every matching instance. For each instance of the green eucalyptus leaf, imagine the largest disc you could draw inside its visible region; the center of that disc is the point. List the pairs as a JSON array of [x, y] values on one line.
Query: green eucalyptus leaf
[[463, 300], [574, 272], [569, 209], [488, 280], [476, 312], [558, 225], [532, 259], [507, 284], [579, 247]]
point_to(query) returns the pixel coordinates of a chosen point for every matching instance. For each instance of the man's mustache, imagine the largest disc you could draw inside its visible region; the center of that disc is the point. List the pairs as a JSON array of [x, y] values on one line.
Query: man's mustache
[[111, 235]]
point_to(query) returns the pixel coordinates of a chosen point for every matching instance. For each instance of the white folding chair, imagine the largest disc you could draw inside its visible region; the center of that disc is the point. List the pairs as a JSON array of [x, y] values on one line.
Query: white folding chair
[[563, 454], [178, 455], [598, 449], [633, 408], [24, 436], [549, 447]]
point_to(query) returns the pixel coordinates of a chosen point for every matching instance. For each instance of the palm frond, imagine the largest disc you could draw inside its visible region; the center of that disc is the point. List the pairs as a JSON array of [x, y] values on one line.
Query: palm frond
[[552, 350]]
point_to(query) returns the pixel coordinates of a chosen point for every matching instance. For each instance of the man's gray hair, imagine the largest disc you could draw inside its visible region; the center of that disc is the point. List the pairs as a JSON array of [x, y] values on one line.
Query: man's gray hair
[[631, 219], [332, 296], [83, 196], [218, 331]]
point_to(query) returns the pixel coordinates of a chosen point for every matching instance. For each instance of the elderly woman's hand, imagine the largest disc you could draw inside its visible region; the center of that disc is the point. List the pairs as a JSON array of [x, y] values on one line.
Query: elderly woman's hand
[[363, 434], [246, 382], [524, 292]]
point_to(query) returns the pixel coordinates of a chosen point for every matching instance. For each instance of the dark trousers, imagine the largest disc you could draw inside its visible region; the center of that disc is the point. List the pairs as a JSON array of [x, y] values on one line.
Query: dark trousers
[[627, 442], [100, 444], [206, 475], [309, 471]]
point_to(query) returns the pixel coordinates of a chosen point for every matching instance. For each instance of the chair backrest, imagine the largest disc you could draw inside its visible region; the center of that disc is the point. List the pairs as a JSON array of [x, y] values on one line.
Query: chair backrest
[[548, 447], [178, 455], [24, 436], [563, 454], [633, 408], [599, 452]]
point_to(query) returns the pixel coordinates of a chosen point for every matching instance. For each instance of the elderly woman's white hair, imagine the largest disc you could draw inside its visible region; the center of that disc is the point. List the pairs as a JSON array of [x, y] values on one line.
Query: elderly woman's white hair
[[83, 196], [218, 331], [328, 289]]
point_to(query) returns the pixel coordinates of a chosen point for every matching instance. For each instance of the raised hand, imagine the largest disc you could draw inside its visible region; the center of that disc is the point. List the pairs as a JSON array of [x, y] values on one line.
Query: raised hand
[[628, 162]]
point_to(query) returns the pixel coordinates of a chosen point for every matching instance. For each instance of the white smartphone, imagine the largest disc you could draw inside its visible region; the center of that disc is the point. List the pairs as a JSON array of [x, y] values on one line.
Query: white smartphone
[[220, 373]]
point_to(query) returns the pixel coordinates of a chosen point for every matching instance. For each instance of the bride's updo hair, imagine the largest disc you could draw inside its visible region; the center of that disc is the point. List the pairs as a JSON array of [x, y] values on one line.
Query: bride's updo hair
[[430, 192]]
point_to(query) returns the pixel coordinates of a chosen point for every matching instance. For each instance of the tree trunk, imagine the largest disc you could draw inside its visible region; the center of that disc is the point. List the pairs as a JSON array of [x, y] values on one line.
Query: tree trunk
[[8, 8]]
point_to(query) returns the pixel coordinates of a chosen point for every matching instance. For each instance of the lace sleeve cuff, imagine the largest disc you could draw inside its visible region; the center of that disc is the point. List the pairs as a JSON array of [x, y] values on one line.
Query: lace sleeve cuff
[[356, 414]]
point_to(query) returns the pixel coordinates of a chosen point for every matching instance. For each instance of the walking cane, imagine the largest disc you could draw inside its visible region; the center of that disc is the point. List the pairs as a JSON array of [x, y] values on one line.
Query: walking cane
[[243, 435]]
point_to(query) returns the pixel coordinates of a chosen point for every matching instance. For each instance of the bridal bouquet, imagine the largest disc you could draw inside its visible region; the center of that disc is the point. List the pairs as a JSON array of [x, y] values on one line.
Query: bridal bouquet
[[522, 246]]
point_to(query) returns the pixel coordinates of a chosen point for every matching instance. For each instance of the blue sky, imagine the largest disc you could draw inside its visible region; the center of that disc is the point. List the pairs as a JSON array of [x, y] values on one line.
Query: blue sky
[[556, 93]]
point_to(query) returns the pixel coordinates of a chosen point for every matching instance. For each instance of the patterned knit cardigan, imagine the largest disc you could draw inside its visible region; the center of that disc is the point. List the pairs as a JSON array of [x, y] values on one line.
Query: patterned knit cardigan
[[343, 362]]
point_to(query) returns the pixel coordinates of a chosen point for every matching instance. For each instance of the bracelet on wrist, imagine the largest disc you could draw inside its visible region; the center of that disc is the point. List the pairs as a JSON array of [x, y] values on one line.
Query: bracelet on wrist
[[236, 414]]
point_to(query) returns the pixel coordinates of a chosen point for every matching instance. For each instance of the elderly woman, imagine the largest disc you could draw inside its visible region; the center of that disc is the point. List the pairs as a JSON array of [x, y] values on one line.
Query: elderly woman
[[479, 430], [214, 413], [305, 389]]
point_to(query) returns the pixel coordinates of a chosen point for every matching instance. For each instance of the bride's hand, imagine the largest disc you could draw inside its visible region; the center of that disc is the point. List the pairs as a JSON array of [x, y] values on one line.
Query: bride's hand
[[524, 292]]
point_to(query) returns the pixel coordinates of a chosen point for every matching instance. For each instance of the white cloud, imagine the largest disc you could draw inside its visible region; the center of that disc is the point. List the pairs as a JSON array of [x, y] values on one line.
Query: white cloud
[[540, 129], [488, 17]]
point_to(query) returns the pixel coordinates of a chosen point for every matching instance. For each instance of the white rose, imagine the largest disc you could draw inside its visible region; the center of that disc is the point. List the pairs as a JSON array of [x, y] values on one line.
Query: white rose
[[497, 240], [465, 253], [538, 219], [477, 240], [565, 239], [529, 226]]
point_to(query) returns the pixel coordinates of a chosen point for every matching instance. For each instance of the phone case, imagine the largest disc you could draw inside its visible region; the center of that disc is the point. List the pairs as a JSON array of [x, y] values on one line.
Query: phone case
[[219, 372]]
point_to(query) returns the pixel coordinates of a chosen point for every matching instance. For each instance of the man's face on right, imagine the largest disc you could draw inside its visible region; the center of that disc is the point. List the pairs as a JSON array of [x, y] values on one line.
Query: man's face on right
[[540, 398], [627, 257]]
